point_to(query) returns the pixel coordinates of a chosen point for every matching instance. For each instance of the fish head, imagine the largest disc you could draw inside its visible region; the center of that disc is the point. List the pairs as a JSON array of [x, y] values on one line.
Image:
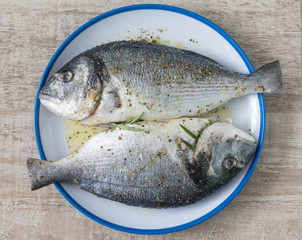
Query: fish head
[[73, 91], [226, 149]]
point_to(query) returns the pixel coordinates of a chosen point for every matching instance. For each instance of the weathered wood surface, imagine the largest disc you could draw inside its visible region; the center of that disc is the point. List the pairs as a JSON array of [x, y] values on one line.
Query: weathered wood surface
[[270, 205]]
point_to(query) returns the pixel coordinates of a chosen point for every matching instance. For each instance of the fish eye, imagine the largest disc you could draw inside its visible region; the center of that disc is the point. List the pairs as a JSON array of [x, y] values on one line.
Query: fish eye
[[229, 163], [66, 76]]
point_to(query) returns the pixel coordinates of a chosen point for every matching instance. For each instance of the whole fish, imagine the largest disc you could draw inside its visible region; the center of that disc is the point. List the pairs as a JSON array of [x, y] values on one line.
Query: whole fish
[[117, 81], [154, 168]]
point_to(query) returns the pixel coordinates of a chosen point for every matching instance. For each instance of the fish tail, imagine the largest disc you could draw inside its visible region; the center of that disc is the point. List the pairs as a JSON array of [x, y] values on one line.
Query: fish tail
[[36, 169], [269, 78]]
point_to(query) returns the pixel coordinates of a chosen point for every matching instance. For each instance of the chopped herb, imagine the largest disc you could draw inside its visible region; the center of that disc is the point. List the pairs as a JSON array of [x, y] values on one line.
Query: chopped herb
[[189, 145], [189, 132]]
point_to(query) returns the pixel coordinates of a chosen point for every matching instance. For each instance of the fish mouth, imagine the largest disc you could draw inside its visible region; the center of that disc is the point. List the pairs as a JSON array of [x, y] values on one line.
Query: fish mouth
[[50, 103], [46, 98]]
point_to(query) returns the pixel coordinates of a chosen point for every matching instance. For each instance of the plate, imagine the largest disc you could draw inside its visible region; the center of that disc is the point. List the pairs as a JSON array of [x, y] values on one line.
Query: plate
[[172, 26]]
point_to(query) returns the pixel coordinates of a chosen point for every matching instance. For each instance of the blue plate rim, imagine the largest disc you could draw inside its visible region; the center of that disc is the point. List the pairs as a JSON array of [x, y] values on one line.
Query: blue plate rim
[[248, 65]]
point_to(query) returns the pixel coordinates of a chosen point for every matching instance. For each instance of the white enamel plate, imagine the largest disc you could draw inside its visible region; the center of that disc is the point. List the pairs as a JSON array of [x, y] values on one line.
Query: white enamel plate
[[171, 26]]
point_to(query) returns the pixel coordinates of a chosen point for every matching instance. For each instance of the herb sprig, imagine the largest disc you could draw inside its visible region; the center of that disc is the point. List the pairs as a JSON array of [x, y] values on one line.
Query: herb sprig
[[131, 121], [192, 135], [189, 132], [189, 145]]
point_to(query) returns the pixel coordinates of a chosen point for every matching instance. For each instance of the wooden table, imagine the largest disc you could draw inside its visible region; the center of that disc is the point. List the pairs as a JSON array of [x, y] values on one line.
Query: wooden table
[[270, 205]]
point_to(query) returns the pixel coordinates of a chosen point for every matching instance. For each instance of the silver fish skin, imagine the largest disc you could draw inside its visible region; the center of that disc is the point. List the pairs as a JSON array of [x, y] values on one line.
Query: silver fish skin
[[154, 168], [117, 81]]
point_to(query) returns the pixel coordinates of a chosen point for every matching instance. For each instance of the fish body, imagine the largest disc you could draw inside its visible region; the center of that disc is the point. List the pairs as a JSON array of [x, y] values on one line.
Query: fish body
[[152, 168], [117, 81]]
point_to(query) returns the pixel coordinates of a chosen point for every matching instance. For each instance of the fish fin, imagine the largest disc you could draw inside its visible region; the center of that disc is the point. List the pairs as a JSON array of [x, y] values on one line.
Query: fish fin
[[270, 78], [35, 168]]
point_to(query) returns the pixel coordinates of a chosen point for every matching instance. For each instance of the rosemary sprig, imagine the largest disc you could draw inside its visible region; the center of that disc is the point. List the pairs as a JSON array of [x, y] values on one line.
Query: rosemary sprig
[[125, 127], [189, 145], [131, 121], [189, 132], [135, 119]]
